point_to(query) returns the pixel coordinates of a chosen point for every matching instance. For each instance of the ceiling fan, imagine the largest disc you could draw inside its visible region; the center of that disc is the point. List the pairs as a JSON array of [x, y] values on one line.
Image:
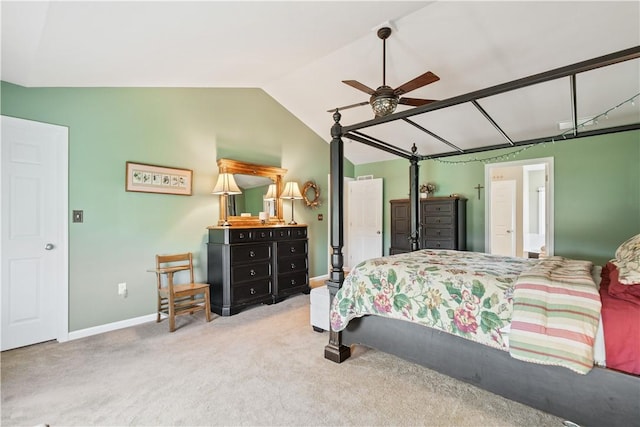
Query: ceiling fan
[[385, 99]]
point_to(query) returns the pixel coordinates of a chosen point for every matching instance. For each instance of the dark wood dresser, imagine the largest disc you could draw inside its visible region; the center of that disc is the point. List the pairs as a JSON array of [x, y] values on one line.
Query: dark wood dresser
[[442, 224], [253, 265]]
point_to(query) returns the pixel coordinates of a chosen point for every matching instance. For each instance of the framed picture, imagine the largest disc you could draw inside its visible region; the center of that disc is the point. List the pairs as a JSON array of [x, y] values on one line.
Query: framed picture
[[158, 179]]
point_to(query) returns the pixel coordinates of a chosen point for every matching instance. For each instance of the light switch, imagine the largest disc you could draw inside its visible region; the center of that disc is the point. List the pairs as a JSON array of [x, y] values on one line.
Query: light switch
[[77, 216]]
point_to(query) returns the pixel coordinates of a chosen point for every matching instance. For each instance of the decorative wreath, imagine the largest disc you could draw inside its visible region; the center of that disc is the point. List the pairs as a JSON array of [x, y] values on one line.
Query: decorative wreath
[[316, 192]]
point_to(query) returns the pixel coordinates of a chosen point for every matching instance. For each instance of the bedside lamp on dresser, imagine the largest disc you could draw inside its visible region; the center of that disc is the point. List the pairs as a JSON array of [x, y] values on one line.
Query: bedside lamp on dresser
[[225, 187]]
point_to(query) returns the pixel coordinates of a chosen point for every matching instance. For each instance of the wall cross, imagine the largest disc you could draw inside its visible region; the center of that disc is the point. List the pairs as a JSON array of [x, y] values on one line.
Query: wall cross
[[478, 187]]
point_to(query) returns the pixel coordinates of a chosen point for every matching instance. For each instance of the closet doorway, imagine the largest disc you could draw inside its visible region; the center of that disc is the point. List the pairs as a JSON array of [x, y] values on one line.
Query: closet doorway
[[529, 231]]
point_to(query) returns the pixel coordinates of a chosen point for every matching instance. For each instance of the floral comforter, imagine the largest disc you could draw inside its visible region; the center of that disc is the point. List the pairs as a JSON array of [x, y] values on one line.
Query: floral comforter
[[468, 294]]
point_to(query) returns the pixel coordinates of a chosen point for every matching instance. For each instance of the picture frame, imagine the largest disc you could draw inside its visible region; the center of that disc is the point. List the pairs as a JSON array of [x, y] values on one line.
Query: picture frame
[[146, 178]]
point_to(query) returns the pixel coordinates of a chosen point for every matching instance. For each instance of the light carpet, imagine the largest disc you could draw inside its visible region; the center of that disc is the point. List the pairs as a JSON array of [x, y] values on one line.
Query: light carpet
[[263, 366]]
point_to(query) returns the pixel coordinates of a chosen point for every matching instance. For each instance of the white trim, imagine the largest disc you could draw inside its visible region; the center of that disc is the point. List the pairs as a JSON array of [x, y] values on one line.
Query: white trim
[[121, 324], [63, 333], [83, 333]]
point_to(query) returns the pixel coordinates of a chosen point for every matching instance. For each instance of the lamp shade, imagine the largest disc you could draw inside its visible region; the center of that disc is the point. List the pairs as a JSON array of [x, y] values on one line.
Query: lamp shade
[[291, 191], [271, 193], [226, 185]]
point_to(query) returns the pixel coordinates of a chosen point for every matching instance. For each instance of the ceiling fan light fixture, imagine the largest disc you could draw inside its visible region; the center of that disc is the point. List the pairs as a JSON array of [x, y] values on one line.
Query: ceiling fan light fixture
[[384, 105], [383, 101]]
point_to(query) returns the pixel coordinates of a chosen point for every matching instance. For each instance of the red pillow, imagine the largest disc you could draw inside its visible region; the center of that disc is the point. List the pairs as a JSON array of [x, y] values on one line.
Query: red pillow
[[616, 289]]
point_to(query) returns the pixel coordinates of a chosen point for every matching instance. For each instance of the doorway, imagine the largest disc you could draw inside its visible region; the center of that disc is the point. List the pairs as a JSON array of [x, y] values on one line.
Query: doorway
[[364, 236], [532, 206], [34, 244]]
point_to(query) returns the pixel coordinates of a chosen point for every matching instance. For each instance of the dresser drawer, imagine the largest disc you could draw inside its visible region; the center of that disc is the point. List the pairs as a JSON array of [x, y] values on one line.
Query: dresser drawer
[[292, 264], [239, 236], [298, 232], [446, 221], [251, 272], [251, 290], [292, 248], [247, 253], [294, 280], [262, 234], [439, 233], [281, 233], [438, 207], [290, 233], [439, 244]]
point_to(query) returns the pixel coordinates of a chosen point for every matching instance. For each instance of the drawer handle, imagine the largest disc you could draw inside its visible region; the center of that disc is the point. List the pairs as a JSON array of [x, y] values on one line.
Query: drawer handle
[[293, 281], [252, 272], [292, 249], [252, 291], [263, 234], [252, 254], [293, 266], [241, 235]]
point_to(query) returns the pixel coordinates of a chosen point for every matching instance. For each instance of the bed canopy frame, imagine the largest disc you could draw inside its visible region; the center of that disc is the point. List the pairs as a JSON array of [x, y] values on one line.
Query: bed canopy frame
[[603, 397]]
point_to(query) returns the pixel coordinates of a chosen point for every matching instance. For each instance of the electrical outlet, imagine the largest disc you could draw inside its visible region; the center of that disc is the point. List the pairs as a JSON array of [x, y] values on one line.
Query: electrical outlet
[[122, 289]]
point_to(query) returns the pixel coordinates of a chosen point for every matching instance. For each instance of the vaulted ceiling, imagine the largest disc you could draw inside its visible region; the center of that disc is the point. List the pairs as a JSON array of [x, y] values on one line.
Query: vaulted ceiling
[[300, 51]]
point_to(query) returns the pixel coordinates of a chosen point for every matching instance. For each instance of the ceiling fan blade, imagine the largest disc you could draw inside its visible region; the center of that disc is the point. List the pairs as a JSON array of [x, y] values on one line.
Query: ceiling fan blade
[[359, 86], [416, 102], [419, 81], [348, 106]]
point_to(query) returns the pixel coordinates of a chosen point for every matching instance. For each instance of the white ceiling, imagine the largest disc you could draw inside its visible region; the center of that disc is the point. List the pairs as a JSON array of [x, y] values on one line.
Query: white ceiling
[[299, 51]]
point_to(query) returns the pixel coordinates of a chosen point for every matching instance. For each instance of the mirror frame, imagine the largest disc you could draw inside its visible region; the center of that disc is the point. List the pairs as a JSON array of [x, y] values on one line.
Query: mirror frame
[[274, 173]]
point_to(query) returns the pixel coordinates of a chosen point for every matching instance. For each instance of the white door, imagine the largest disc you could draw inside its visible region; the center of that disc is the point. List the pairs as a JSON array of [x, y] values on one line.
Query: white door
[[503, 217], [365, 220], [33, 249]]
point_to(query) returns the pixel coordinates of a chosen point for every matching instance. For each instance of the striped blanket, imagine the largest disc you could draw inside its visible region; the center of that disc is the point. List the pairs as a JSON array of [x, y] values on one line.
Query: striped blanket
[[555, 314]]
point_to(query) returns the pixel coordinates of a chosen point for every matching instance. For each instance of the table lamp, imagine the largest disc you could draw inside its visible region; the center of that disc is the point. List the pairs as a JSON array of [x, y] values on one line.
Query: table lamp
[[292, 192], [226, 186]]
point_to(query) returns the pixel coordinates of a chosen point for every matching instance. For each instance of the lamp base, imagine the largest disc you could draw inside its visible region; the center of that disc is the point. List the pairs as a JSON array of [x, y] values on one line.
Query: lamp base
[[226, 224], [293, 223]]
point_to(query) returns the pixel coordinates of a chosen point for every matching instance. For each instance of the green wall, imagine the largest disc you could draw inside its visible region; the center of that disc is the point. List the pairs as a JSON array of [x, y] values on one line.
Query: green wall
[[597, 182], [186, 128], [596, 194]]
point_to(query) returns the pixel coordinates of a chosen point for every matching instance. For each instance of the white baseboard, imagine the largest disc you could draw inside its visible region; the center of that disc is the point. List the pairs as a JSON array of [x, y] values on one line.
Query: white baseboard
[[82, 333]]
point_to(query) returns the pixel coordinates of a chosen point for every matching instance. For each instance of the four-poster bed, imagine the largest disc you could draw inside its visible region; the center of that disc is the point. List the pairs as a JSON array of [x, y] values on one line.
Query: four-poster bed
[[601, 397]]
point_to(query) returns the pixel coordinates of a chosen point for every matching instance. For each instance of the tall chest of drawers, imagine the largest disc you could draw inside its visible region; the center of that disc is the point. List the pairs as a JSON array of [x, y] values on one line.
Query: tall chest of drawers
[[442, 224], [253, 265]]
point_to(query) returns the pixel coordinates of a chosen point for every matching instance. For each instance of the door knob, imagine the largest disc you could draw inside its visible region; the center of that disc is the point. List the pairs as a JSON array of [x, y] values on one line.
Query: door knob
[[49, 246]]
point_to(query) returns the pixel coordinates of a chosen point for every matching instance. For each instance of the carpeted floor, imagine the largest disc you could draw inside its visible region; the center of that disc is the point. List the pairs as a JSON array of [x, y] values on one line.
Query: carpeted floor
[[264, 366]]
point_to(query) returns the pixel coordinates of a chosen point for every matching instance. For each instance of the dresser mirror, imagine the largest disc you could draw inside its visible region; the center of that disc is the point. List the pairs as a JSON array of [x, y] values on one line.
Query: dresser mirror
[[254, 181]]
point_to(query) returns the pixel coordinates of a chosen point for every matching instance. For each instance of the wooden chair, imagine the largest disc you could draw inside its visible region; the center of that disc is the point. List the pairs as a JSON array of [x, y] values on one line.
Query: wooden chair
[[174, 299]]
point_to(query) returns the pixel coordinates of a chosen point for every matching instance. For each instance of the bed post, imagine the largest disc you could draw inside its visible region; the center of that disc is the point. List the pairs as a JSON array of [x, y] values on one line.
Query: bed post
[[335, 351], [414, 200]]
